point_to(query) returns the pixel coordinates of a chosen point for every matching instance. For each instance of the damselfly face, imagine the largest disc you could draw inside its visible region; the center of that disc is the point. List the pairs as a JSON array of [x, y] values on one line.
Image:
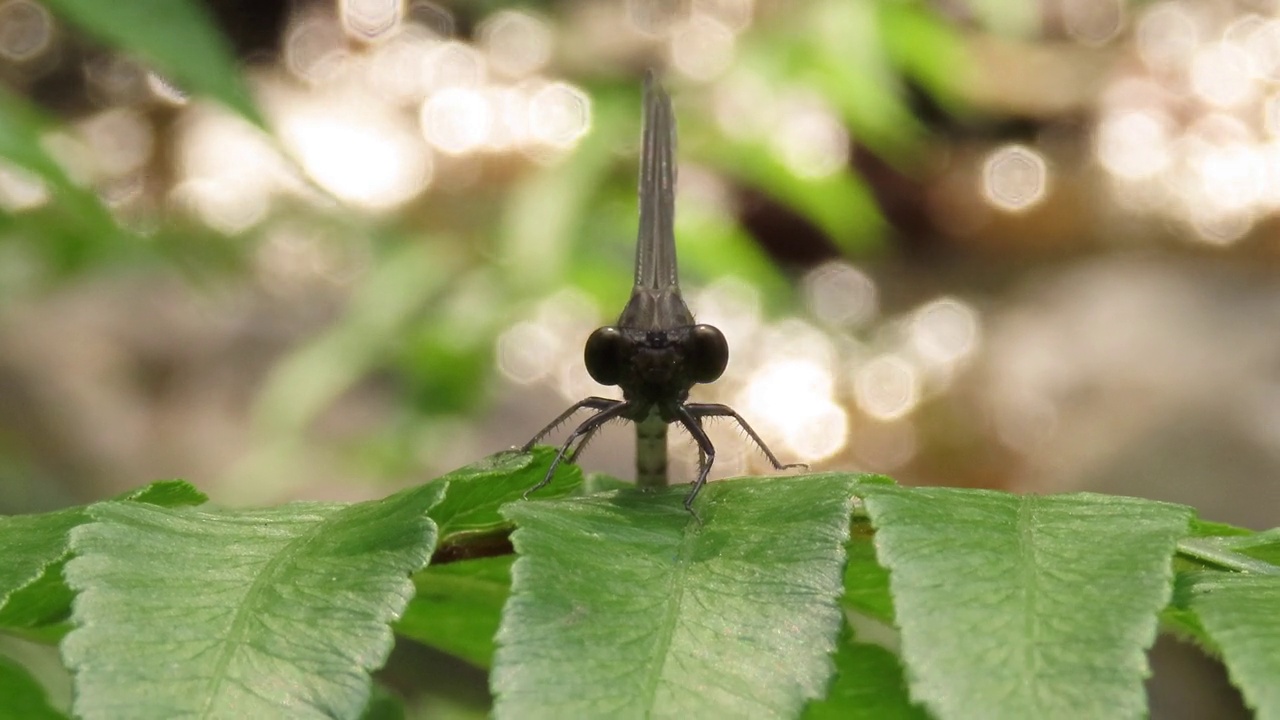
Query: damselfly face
[[656, 368]]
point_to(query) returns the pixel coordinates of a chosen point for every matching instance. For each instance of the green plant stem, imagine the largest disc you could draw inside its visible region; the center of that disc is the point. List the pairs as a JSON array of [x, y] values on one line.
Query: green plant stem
[[1210, 553]]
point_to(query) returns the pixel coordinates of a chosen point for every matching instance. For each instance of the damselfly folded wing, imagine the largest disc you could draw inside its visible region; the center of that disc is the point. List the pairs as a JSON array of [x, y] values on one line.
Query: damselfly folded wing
[[655, 302]]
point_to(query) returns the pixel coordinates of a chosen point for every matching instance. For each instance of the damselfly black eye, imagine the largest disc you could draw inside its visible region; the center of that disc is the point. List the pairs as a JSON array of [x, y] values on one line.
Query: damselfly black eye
[[708, 353], [606, 355]]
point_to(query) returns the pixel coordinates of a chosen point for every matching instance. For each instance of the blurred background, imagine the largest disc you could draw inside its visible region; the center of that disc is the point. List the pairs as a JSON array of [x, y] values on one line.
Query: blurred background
[[324, 249]]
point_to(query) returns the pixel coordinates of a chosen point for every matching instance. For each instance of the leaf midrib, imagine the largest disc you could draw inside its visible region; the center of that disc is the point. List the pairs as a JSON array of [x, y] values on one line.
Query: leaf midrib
[[1030, 586], [239, 624], [667, 625]]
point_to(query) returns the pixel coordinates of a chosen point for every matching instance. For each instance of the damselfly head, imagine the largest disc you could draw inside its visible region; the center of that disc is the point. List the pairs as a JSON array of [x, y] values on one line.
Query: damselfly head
[[667, 361]]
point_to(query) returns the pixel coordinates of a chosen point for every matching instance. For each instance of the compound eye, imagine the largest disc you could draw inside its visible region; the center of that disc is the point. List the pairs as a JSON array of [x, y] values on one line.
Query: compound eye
[[605, 355], [708, 353]]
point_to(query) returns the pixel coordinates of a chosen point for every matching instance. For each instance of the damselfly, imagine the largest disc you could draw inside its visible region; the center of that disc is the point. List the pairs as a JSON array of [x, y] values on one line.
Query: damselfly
[[656, 351]]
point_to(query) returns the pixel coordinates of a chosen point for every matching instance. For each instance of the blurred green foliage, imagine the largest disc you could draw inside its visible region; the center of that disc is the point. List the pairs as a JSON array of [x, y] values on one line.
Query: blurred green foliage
[[519, 234]]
